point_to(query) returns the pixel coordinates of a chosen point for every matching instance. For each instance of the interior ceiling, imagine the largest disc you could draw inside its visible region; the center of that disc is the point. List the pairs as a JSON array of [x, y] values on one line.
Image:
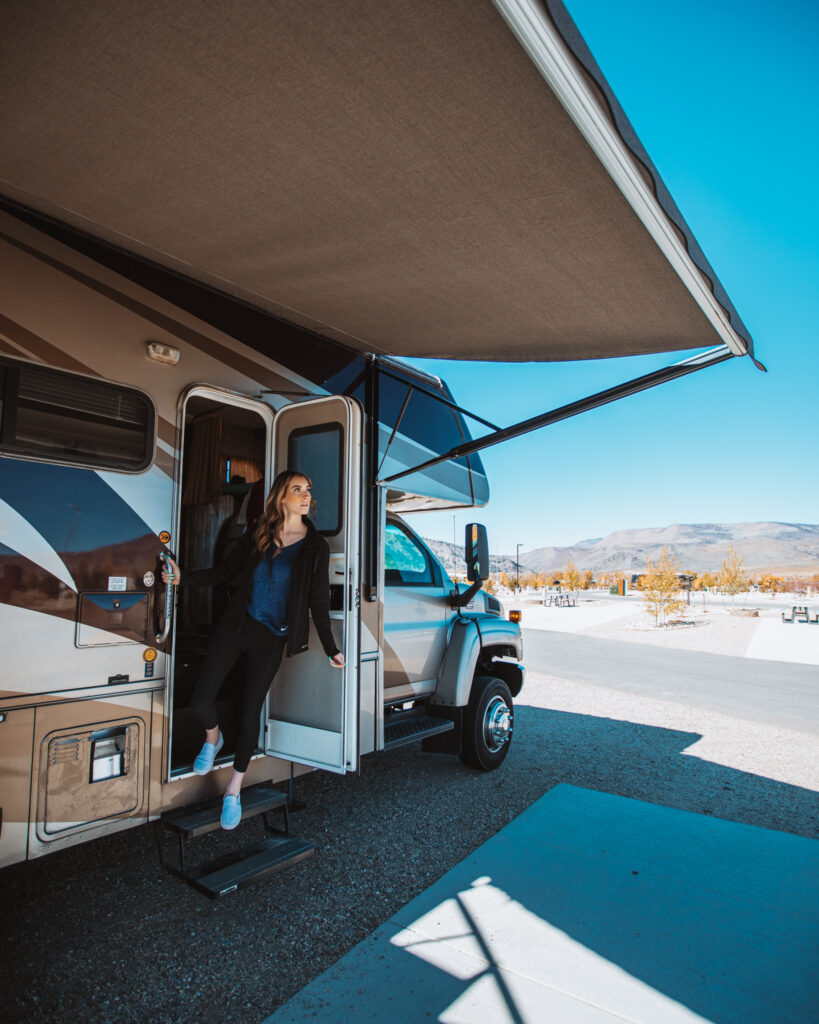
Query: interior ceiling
[[395, 175]]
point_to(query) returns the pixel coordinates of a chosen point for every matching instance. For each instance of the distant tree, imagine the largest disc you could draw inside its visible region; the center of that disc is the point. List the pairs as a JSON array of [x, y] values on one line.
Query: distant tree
[[660, 588], [570, 575], [489, 585], [503, 580], [770, 584], [733, 579], [588, 579]]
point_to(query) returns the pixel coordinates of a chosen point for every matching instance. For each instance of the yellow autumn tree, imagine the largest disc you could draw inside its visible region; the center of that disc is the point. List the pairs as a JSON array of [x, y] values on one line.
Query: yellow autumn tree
[[732, 579], [770, 584], [660, 588], [570, 576]]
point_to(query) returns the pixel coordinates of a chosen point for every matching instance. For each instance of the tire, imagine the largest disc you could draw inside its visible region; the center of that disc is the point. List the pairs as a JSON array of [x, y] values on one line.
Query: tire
[[488, 724]]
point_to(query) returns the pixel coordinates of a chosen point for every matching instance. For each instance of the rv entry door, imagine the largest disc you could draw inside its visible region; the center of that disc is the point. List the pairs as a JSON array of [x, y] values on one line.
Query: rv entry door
[[312, 707]]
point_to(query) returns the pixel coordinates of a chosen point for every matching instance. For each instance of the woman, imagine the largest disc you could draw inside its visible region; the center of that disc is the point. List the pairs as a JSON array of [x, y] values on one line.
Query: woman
[[282, 570]]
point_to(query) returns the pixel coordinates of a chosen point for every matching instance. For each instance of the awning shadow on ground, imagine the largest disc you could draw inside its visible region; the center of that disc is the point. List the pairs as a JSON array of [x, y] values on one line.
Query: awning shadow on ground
[[594, 907], [59, 912]]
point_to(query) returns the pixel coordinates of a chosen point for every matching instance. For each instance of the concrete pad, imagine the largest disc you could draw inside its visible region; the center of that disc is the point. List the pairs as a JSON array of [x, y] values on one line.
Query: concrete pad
[[775, 640], [595, 908]]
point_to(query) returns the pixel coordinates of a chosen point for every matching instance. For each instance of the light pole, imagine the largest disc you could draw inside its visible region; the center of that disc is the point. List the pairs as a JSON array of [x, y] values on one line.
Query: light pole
[[517, 566]]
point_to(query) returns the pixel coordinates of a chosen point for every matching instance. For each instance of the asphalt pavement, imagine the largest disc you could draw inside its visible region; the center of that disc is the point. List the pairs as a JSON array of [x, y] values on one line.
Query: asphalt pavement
[[774, 692]]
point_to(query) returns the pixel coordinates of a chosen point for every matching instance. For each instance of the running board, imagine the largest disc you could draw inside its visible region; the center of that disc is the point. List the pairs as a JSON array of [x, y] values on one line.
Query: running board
[[278, 851], [408, 730]]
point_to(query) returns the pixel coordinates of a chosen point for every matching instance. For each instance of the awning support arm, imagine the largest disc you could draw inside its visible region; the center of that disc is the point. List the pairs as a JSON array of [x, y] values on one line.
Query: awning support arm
[[564, 412]]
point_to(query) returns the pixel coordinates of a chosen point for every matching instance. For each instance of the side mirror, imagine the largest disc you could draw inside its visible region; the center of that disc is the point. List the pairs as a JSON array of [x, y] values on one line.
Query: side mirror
[[476, 552]]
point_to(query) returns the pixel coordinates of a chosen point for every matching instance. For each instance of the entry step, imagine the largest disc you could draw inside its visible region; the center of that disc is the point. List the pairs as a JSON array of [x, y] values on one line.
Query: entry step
[[204, 818], [417, 727], [274, 854], [235, 870]]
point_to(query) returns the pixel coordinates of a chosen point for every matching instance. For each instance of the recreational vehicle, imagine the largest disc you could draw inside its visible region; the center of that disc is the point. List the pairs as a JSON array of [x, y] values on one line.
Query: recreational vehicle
[[221, 230], [142, 430]]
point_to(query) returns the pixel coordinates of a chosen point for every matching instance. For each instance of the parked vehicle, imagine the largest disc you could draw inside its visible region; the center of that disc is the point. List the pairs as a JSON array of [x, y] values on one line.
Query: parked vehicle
[[114, 454]]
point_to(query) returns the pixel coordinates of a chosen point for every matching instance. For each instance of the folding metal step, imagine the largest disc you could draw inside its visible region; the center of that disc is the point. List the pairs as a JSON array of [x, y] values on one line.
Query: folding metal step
[[203, 818], [217, 878], [418, 727], [274, 854]]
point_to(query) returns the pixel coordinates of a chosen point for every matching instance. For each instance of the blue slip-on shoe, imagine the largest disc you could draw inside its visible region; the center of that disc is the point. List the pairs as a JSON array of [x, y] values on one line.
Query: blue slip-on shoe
[[231, 812], [207, 755]]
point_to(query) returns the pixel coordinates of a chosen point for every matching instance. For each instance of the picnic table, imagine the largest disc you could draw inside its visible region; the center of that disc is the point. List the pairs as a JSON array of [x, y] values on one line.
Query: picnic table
[[560, 600], [801, 613]]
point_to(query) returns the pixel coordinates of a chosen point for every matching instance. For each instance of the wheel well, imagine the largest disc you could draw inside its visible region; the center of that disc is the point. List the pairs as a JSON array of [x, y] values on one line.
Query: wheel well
[[508, 671]]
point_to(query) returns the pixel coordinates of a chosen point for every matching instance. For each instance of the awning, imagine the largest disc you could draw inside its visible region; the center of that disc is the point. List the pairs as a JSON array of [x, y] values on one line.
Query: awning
[[449, 180]]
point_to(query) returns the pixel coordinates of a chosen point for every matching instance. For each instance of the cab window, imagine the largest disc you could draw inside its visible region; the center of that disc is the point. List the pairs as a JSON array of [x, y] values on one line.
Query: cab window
[[406, 562]]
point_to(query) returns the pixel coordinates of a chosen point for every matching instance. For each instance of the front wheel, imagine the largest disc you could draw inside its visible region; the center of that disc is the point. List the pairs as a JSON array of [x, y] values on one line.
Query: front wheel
[[488, 723]]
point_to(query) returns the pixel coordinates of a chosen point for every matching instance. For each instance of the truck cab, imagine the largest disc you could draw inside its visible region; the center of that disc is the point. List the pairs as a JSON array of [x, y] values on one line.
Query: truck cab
[[443, 660]]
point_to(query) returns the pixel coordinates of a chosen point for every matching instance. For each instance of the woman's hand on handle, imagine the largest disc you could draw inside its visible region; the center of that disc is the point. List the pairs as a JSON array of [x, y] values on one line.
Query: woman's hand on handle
[[337, 660], [171, 573]]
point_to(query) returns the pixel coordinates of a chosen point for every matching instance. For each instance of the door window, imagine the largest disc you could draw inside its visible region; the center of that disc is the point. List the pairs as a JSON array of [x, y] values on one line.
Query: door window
[[406, 562], [317, 452]]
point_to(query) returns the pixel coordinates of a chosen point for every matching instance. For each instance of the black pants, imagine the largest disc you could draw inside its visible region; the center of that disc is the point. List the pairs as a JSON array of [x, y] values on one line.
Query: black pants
[[263, 654]]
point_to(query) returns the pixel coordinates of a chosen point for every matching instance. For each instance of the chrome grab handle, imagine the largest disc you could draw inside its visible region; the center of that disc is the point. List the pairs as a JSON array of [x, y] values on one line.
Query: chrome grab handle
[[166, 630]]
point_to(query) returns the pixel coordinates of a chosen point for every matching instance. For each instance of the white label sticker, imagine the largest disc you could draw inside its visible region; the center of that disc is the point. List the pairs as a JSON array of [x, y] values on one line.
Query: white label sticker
[[117, 582]]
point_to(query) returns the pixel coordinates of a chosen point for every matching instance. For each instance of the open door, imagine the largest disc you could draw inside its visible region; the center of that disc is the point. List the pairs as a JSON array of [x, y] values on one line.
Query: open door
[[312, 707]]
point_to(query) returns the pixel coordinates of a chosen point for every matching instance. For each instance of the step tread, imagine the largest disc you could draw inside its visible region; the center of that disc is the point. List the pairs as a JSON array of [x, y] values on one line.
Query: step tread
[[273, 854], [204, 818], [408, 730]]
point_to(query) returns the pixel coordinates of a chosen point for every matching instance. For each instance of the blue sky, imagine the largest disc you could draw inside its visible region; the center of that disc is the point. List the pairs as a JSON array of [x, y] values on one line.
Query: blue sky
[[722, 95]]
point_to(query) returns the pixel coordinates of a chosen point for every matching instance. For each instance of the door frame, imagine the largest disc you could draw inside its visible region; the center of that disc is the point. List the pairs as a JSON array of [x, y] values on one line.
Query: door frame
[[223, 396]]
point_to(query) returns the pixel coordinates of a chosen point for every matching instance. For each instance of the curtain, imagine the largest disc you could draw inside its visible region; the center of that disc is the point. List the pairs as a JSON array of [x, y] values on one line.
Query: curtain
[[202, 481], [251, 469]]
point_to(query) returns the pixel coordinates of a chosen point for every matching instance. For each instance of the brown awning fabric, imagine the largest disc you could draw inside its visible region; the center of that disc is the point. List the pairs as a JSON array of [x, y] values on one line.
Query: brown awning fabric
[[398, 176]]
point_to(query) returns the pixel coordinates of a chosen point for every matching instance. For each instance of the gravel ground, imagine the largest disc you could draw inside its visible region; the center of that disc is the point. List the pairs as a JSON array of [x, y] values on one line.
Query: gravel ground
[[99, 933]]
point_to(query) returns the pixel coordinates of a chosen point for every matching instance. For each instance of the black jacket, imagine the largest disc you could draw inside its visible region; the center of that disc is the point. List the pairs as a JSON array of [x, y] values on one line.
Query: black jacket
[[309, 589]]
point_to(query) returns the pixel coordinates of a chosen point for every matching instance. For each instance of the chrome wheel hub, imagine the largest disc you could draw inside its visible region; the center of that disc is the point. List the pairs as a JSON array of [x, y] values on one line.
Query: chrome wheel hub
[[497, 724]]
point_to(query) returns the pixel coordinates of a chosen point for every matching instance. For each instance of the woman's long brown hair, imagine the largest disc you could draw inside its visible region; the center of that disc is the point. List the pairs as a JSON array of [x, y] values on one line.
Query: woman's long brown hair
[[272, 518]]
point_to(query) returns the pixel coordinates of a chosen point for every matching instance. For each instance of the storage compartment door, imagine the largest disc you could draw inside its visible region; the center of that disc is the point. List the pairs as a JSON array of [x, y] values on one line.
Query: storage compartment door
[[312, 708]]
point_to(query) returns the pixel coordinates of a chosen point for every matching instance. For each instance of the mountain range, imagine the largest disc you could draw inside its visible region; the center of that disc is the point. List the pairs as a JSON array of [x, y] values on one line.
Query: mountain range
[[695, 546]]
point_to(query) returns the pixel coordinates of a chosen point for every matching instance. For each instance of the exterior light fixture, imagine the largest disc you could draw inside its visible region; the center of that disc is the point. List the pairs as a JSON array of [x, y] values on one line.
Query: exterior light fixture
[[163, 353]]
